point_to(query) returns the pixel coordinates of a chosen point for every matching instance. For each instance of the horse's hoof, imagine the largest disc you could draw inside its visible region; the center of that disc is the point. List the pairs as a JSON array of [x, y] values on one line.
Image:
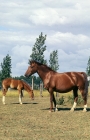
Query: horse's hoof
[[84, 110], [72, 110], [51, 111], [56, 109]]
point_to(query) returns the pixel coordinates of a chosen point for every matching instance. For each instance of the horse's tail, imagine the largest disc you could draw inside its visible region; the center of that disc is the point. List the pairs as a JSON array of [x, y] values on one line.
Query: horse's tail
[[86, 82]]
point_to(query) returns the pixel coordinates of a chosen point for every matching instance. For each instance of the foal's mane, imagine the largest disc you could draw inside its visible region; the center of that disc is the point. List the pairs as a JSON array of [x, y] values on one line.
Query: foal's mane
[[26, 84], [33, 61]]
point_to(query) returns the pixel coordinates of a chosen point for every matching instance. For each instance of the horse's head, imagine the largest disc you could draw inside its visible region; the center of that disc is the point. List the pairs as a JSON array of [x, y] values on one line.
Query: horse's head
[[31, 69]]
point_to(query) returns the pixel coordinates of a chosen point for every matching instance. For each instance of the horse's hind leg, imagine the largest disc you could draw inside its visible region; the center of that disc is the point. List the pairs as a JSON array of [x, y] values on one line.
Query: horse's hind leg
[[75, 93], [84, 96]]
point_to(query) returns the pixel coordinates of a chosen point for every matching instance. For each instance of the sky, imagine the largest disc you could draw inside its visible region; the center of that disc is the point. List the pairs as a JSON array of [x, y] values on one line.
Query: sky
[[66, 24]]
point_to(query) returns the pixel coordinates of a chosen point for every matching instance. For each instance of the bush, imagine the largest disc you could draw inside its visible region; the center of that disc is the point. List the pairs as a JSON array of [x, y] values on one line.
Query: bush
[[60, 101], [71, 100]]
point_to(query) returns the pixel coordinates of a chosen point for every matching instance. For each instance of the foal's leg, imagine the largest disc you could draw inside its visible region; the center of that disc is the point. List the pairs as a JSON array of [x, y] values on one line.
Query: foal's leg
[[22, 93], [4, 93], [75, 93], [20, 97]]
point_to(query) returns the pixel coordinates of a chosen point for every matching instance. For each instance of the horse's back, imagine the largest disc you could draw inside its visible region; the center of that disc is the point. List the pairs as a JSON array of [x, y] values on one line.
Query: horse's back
[[65, 82], [64, 77]]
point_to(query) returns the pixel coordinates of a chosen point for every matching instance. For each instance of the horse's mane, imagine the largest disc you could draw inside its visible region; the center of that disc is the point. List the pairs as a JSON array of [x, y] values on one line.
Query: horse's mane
[[34, 61]]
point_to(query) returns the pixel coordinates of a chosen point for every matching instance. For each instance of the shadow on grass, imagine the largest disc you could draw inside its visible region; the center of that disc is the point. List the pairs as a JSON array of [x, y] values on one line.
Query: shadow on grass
[[24, 103], [59, 109], [77, 109], [67, 109]]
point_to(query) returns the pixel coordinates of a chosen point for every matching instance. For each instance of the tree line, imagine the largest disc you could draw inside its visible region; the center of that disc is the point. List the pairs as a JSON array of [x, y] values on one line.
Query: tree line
[[37, 54]]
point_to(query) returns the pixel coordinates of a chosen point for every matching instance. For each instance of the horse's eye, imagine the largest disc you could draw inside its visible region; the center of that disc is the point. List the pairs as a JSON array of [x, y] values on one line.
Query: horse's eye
[[32, 66]]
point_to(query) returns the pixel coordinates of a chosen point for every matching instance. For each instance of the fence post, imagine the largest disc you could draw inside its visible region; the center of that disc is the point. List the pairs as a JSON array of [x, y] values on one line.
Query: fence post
[[41, 89], [57, 94]]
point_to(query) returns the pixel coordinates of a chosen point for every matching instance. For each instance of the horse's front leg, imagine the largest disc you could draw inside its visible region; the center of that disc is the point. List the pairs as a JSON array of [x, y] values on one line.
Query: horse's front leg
[[51, 101], [54, 100]]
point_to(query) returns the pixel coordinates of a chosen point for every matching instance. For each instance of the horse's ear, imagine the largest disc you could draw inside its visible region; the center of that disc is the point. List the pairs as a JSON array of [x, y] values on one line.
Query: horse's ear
[[30, 62]]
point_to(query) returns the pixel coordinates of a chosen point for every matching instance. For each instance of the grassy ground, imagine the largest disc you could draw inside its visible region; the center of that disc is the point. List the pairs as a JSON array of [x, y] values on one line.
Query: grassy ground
[[33, 121]]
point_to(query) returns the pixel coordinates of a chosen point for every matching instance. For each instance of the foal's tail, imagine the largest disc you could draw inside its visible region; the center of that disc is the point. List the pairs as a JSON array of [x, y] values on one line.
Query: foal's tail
[[86, 82]]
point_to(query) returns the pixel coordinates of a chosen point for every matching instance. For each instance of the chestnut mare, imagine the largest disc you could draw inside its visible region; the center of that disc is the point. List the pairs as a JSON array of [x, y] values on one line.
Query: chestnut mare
[[60, 82], [16, 84]]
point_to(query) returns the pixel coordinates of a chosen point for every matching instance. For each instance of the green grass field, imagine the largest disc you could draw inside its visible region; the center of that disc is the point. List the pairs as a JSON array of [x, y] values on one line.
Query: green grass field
[[33, 121]]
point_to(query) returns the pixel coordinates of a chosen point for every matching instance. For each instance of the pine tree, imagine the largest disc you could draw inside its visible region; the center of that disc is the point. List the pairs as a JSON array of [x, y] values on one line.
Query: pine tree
[[54, 60], [6, 67], [38, 49], [88, 67]]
